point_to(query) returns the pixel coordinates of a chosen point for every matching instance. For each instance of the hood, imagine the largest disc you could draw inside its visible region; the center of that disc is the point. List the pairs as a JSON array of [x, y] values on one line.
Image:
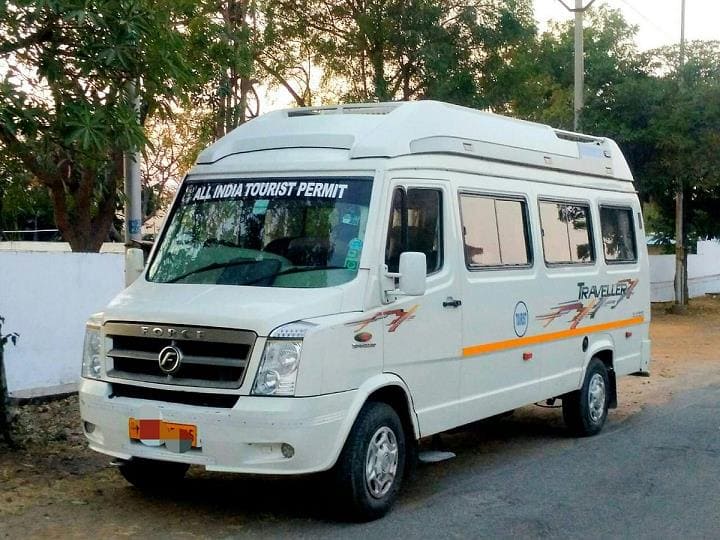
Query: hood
[[259, 309]]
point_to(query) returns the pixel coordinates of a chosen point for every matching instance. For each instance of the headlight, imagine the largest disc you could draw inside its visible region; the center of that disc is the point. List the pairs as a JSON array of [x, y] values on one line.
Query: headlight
[[92, 353], [278, 370]]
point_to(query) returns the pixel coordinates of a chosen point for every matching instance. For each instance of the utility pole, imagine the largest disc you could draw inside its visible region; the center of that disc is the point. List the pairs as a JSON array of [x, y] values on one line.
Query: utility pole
[[681, 293], [133, 189], [578, 10]]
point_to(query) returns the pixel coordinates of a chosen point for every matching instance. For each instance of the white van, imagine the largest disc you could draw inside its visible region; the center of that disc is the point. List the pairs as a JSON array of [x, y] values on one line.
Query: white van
[[334, 283]]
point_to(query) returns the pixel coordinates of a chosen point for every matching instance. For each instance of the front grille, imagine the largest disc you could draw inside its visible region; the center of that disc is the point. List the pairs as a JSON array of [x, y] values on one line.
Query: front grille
[[199, 399], [210, 357]]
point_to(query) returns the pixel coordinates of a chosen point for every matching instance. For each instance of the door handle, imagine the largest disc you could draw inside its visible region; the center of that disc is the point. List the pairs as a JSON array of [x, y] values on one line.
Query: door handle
[[451, 302]]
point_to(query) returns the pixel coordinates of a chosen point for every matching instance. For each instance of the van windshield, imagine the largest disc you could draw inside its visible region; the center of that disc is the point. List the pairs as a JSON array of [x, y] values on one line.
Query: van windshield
[[269, 232]]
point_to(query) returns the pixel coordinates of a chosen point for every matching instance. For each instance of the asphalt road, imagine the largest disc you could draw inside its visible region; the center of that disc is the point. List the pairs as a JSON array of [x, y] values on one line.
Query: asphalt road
[[654, 475]]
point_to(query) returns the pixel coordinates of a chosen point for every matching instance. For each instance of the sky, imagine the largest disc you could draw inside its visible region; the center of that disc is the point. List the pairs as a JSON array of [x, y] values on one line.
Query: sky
[[658, 20]]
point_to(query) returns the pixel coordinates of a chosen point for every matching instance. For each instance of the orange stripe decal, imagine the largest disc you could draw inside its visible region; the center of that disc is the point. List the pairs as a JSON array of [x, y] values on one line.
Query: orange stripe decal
[[550, 336]]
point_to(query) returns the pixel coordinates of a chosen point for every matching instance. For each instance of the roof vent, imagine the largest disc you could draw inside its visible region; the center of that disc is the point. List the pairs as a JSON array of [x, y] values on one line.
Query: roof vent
[[577, 137], [369, 108]]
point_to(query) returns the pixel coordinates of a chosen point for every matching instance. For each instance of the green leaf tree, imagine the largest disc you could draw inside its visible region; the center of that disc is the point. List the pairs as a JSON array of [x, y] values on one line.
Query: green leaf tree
[[539, 85], [65, 109], [379, 50], [24, 203]]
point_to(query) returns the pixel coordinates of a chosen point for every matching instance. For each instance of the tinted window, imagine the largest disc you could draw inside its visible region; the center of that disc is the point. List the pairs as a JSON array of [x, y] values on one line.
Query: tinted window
[[618, 234], [415, 225], [494, 231], [566, 233]]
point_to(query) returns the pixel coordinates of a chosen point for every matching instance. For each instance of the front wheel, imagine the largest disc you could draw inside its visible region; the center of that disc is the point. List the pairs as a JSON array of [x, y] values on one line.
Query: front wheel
[[585, 410], [370, 468], [152, 475]]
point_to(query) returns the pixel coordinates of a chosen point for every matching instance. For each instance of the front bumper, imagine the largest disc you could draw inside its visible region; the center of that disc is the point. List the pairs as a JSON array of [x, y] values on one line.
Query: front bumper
[[244, 439]]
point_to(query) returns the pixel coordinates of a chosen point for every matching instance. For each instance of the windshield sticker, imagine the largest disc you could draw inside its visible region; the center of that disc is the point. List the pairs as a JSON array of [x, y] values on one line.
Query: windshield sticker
[[591, 298], [296, 189], [351, 219], [352, 259]]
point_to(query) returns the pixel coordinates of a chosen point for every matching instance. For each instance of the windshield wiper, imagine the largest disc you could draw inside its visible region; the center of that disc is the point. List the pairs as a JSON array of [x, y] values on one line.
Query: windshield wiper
[[295, 270], [213, 266]]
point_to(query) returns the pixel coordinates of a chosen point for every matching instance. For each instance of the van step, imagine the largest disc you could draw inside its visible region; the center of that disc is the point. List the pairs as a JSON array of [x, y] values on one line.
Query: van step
[[434, 456]]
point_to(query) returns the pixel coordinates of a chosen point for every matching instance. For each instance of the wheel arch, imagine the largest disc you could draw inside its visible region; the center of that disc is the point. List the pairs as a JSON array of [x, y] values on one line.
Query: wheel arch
[[386, 388], [605, 352]]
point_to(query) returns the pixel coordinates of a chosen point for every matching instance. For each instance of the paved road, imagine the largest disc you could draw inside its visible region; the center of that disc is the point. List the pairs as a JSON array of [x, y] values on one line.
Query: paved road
[[655, 475]]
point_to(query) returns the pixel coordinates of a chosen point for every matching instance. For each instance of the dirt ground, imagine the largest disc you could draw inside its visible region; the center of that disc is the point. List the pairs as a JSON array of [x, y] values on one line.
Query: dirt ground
[[53, 486]]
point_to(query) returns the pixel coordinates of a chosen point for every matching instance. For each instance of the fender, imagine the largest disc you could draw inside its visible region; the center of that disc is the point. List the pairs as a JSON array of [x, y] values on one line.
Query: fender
[[603, 343], [381, 380]]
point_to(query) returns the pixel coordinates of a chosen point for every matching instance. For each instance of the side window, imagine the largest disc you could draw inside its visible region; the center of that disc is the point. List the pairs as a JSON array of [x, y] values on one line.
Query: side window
[[618, 234], [415, 225], [494, 231], [566, 233]]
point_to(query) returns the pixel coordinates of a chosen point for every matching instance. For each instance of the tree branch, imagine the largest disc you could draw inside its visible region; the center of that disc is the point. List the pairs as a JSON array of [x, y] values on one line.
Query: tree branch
[[276, 74]]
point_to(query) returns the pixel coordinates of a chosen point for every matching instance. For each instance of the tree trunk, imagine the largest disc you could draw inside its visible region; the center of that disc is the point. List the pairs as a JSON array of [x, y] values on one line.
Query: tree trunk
[[681, 281], [83, 219], [378, 63]]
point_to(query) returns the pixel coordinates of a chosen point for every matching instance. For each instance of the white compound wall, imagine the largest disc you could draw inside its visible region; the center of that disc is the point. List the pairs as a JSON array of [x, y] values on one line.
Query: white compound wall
[[47, 294], [703, 272]]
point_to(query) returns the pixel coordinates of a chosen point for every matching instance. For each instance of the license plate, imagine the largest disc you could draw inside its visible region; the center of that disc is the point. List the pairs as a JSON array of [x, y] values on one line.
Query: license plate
[[176, 437]]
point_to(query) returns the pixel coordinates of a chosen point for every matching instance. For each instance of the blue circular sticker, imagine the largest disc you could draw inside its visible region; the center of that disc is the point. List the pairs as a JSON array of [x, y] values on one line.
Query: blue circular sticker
[[520, 319]]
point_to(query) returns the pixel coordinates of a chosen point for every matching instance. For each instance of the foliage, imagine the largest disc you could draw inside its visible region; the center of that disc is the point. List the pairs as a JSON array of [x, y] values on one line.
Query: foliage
[[220, 44], [176, 144], [67, 115], [540, 85], [686, 128], [66, 111], [24, 203], [392, 49], [671, 136]]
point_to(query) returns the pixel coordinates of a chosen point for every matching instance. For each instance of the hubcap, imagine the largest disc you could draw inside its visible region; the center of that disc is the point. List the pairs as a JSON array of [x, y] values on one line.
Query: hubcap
[[596, 397], [381, 463]]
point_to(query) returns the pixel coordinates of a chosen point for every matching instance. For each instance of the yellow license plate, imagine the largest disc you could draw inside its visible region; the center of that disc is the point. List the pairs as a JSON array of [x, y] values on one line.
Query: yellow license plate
[[176, 437]]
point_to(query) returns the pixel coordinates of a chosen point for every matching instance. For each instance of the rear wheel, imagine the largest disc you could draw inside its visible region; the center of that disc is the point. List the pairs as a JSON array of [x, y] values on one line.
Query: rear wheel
[[153, 475], [370, 468], [585, 410]]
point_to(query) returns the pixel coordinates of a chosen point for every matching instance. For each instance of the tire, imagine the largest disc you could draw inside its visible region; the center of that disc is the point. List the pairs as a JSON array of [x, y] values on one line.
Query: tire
[[153, 476], [585, 410], [371, 466]]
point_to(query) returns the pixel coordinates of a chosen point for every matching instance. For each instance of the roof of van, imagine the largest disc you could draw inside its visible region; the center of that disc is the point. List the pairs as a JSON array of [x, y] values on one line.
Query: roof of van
[[421, 127]]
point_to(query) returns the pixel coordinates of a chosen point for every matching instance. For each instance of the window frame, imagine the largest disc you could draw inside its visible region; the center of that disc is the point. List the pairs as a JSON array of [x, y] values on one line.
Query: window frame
[[632, 211], [527, 230], [405, 189], [590, 231]]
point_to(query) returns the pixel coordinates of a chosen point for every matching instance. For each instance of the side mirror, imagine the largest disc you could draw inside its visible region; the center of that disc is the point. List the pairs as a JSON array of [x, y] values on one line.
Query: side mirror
[[134, 264], [413, 267]]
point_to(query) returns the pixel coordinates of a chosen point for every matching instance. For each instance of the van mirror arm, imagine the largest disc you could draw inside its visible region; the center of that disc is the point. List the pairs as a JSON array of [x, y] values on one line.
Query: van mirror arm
[[390, 295]]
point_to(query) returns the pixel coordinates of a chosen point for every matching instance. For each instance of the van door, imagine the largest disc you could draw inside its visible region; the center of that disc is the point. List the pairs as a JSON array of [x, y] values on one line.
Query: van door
[[422, 338], [570, 257], [499, 371]]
